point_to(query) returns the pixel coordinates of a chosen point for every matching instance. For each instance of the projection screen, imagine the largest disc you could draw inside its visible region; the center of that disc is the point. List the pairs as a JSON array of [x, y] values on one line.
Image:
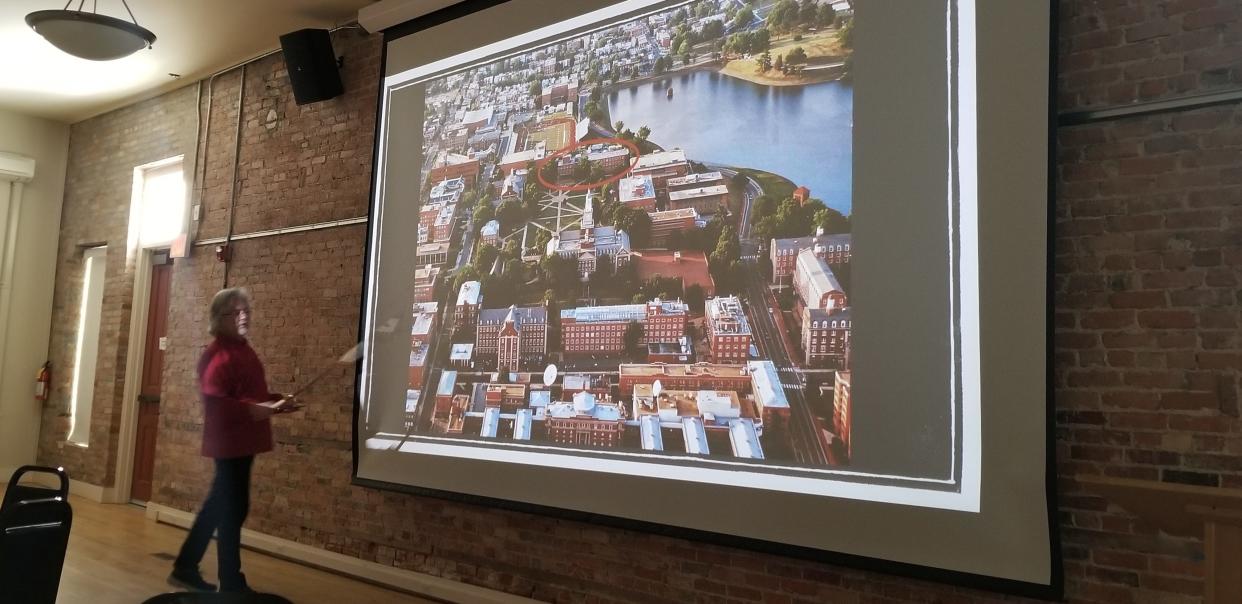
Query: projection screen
[[771, 274]]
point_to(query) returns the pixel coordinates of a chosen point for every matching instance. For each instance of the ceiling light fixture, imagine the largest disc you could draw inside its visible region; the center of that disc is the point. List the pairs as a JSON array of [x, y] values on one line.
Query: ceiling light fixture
[[91, 35]]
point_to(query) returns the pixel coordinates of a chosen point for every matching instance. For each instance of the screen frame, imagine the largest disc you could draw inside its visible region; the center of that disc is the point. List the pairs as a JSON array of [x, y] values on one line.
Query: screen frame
[[1054, 590]]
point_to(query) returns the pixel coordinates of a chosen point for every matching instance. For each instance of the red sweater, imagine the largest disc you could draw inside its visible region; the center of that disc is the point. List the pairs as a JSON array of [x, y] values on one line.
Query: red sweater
[[230, 379]]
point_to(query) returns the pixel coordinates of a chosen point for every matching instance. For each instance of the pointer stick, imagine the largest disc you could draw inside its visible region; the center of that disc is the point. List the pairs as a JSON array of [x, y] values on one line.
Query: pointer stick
[[351, 356]]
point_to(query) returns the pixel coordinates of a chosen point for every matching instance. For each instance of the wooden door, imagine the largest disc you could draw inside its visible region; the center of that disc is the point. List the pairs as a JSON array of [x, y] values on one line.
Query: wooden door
[[152, 372]]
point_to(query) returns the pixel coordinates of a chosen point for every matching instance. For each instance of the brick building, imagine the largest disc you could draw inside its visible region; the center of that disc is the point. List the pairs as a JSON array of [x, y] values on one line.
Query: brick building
[[489, 234], [815, 282], [516, 337], [705, 200], [638, 192], [699, 376], [728, 330], [425, 280], [783, 253], [841, 409], [661, 166], [422, 333], [442, 227], [585, 422], [601, 329], [801, 195], [825, 337], [609, 157], [455, 166], [466, 310], [668, 224], [432, 253]]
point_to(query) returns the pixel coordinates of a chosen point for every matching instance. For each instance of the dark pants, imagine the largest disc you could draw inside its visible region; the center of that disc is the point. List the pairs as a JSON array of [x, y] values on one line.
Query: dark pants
[[223, 513]]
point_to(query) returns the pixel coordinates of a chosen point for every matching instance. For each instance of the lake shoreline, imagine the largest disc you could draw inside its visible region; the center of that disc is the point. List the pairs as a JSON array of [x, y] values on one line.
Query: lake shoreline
[[801, 133]]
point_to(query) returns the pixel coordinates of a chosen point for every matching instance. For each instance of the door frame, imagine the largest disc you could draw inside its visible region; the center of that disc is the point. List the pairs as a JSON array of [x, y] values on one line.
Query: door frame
[[134, 358]]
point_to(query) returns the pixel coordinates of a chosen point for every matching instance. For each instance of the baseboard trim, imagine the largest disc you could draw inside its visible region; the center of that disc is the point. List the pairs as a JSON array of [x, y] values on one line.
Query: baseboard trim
[[403, 580]]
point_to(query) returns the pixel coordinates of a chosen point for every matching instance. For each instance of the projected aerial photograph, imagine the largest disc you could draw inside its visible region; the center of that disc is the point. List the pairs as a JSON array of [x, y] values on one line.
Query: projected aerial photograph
[[637, 239]]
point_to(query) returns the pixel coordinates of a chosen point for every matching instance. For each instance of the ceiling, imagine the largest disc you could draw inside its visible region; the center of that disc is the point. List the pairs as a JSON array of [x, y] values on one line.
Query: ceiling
[[194, 39]]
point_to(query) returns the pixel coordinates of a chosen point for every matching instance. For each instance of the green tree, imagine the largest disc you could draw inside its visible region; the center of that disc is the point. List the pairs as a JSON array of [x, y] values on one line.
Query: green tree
[[826, 15], [845, 34], [695, 297], [541, 239], [482, 214], [760, 40], [831, 221], [467, 273], [510, 251], [633, 335], [809, 13], [779, 63], [713, 30], [797, 56], [636, 223], [536, 89], [765, 61], [784, 16], [723, 261], [619, 126], [596, 172], [743, 18], [485, 257], [510, 214], [561, 274], [643, 133], [550, 172]]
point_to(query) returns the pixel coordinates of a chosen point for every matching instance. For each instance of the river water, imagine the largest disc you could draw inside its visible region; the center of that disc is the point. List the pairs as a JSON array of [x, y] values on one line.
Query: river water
[[803, 133]]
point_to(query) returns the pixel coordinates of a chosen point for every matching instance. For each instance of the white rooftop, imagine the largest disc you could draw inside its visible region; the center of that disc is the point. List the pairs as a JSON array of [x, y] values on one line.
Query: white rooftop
[[744, 439], [727, 316], [461, 352], [661, 158], [469, 293], [694, 179], [698, 192], [767, 385], [620, 312]]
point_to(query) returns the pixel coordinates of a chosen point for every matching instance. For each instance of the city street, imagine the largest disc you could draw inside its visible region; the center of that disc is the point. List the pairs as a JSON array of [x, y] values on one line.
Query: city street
[[802, 430]]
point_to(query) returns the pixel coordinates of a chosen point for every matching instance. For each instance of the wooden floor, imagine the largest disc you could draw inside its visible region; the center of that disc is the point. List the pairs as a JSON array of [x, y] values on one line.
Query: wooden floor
[[117, 556]]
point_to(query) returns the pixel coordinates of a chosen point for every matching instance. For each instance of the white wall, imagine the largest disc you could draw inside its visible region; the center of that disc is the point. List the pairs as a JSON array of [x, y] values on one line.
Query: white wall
[[30, 316]]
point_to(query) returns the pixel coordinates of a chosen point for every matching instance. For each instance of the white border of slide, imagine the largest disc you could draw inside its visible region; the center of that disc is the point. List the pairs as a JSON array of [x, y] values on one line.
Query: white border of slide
[[966, 498]]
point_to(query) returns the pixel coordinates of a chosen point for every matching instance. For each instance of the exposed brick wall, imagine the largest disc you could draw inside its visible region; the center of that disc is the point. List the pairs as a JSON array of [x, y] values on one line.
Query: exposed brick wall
[[103, 153], [1147, 356], [1114, 52]]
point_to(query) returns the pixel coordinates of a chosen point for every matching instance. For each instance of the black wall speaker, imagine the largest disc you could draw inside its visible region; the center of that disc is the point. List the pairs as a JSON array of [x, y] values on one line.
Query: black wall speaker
[[312, 65]]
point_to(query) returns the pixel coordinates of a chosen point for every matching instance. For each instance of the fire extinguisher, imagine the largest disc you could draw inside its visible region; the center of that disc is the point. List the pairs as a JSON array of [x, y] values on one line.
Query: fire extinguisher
[[43, 382]]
